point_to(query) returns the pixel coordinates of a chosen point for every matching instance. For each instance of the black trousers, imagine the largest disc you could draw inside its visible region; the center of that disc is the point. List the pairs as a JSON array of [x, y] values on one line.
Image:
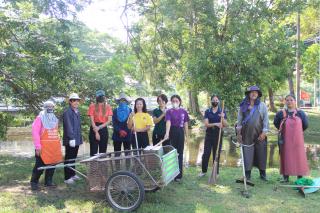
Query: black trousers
[[211, 145], [118, 144], [71, 153], [143, 140], [36, 174], [156, 138], [96, 145], [176, 137]]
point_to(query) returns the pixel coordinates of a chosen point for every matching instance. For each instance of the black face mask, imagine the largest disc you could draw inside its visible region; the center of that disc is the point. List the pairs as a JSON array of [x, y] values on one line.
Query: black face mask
[[100, 99], [214, 104]]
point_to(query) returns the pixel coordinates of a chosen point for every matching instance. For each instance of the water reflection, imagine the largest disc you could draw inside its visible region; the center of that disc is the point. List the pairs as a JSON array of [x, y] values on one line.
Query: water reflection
[[230, 155]]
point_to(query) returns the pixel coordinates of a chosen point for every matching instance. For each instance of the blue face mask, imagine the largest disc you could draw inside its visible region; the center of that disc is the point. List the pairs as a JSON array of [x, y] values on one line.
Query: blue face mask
[[123, 104], [123, 111]]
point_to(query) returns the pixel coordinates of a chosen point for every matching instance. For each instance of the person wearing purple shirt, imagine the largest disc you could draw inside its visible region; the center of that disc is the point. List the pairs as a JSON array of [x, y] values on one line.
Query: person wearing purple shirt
[[177, 120]]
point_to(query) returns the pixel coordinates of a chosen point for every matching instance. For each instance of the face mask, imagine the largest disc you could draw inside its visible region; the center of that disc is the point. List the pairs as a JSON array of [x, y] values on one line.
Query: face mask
[[100, 99], [175, 105], [123, 104], [214, 104], [49, 110]]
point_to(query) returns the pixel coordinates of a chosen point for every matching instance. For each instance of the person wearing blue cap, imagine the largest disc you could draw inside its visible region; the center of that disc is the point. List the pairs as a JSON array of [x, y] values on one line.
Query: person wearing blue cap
[[100, 114], [252, 127]]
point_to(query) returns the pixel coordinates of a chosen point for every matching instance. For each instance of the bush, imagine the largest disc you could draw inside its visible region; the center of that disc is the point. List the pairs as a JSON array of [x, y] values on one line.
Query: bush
[[5, 120]]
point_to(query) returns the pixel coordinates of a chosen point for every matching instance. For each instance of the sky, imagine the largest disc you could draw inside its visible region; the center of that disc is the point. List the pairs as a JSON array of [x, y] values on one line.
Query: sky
[[104, 16]]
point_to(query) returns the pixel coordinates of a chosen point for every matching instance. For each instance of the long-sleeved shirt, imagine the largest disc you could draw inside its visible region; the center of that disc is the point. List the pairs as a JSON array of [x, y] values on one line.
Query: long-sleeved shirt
[[37, 129], [279, 116], [117, 126], [71, 127], [263, 110]]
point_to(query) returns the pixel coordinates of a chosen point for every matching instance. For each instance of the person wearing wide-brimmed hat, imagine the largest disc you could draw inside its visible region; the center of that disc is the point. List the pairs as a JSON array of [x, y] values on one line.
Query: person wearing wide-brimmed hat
[[100, 116], [72, 137], [121, 132], [252, 127], [47, 144]]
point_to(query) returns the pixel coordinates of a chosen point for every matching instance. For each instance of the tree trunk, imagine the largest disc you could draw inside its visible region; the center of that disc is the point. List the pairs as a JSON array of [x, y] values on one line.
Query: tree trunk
[[193, 102], [290, 82], [298, 61], [271, 100]]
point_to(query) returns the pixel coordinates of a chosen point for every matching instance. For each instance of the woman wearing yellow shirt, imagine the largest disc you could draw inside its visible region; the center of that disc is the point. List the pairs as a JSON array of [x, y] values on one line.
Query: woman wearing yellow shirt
[[140, 122]]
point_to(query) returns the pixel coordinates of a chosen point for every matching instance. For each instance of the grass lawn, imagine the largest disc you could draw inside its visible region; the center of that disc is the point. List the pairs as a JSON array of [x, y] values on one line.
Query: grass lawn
[[192, 195]]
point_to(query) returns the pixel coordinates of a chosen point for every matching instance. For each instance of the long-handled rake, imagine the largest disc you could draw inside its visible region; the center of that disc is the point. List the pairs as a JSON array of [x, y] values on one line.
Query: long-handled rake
[[213, 177]]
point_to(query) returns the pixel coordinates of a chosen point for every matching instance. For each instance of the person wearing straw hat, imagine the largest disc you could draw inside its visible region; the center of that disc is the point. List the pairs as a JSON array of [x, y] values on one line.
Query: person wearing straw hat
[[100, 116], [47, 144], [212, 122], [140, 123], [72, 137], [121, 132], [252, 128]]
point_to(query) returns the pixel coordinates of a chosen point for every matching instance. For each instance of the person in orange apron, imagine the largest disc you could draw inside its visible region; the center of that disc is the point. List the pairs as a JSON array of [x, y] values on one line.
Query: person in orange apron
[[47, 144]]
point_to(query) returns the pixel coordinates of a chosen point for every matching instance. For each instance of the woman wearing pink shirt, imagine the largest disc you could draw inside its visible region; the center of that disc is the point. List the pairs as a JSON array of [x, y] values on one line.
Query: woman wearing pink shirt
[[46, 140]]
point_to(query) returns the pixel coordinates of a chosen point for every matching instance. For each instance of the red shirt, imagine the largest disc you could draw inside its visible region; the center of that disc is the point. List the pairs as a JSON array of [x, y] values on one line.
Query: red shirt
[[98, 117]]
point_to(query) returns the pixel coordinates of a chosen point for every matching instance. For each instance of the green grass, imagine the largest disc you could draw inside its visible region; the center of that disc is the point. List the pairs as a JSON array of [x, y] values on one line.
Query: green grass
[[192, 195]]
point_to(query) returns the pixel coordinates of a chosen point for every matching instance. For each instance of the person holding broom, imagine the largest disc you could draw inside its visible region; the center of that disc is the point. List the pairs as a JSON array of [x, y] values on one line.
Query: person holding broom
[[212, 122], [291, 122], [252, 128], [140, 123]]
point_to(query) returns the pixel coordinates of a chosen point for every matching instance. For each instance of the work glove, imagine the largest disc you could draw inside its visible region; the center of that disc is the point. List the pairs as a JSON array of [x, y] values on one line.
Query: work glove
[[72, 143]]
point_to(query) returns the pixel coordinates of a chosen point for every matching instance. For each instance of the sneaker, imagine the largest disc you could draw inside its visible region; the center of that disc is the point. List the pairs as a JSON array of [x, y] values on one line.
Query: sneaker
[[76, 177], [201, 174], [34, 186], [69, 181]]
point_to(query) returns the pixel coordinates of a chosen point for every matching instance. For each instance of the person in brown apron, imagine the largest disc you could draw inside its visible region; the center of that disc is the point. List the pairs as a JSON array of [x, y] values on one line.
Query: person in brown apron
[[252, 127], [291, 122], [47, 144]]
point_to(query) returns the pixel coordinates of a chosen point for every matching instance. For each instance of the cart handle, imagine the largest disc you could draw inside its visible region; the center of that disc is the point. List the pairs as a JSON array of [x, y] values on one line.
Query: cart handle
[[69, 165]]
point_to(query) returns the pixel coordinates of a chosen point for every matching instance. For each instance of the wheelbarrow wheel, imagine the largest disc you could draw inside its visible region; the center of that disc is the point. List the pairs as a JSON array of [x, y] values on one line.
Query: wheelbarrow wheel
[[124, 191]]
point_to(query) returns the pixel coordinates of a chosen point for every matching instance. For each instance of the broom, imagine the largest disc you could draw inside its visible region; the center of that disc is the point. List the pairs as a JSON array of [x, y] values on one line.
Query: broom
[[213, 177]]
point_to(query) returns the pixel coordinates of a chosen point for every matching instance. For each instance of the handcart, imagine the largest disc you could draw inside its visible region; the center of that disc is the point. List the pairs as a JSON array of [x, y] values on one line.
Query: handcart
[[126, 175]]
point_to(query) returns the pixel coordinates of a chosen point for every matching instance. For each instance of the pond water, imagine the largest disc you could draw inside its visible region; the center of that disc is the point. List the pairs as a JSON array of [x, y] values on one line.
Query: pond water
[[230, 155]]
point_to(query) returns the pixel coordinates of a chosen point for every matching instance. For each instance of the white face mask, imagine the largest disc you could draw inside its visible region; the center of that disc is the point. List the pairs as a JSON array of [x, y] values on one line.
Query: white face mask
[[175, 105]]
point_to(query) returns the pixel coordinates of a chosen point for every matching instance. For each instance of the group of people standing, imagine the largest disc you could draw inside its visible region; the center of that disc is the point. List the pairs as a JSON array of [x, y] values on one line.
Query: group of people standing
[[130, 130], [252, 127]]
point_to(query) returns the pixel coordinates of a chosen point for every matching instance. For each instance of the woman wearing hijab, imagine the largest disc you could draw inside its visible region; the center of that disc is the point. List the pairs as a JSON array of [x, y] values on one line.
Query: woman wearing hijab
[[100, 115], [121, 132], [291, 122], [47, 144]]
